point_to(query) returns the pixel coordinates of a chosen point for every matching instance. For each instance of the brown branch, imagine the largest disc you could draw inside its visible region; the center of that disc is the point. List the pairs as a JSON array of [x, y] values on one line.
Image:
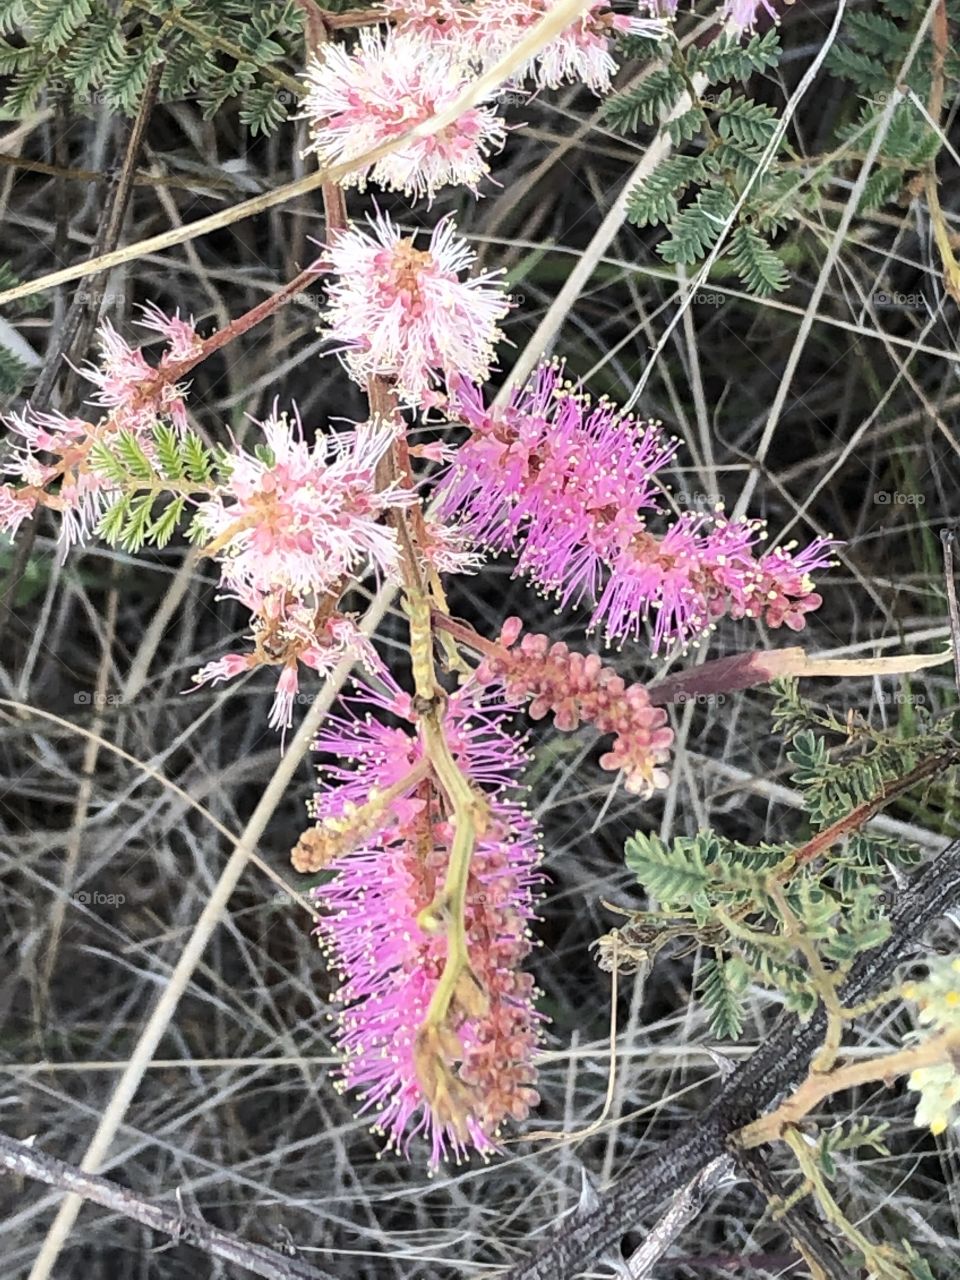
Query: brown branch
[[26, 1162], [852, 821], [823, 1084]]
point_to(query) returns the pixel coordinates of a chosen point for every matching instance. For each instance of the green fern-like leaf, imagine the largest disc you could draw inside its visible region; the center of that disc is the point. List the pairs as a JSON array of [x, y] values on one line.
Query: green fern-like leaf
[[639, 48], [197, 460], [111, 523], [54, 22], [93, 52], [139, 521], [695, 231], [685, 126], [126, 79], [883, 184], [721, 986], [866, 72], [129, 452], [727, 59], [25, 89], [163, 528], [744, 121], [676, 874], [14, 373], [12, 15], [655, 199], [647, 103], [168, 450], [263, 109], [760, 268]]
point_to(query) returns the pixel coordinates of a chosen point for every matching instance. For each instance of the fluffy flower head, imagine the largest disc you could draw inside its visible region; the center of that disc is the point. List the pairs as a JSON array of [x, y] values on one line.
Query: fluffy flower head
[[405, 313], [297, 517], [355, 102]]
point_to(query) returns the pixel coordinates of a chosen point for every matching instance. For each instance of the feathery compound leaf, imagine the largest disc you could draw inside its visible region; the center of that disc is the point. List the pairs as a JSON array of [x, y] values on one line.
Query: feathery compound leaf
[[639, 47], [14, 372], [647, 103], [53, 22], [655, 199], [761, 269], [106, 463], [111, 523], [263, 109], [164, 527], [743, 120], [12, 14], [685, 126], [695, 231], [126, 79], [727, 59], [721, 986], [168, 449], [130, 453], [675, 874], [866, 72], [93, 52], [197, 460], [137, 526], [25, 88]]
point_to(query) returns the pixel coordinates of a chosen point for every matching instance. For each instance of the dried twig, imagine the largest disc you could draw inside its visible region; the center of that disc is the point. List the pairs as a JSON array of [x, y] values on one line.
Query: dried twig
[[26, 1162]]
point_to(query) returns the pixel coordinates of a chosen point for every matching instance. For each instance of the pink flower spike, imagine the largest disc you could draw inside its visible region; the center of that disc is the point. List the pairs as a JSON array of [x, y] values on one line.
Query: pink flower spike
[[484, 31], [405, 313], [390, 967], [379, 92], [136, 394], [785, 592], [578, 688]]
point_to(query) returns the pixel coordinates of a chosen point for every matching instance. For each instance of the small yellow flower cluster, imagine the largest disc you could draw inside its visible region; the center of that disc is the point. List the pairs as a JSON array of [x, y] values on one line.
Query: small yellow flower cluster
[[938, 1001]]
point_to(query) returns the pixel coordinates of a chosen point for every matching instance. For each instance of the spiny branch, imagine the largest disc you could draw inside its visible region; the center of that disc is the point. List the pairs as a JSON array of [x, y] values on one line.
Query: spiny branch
[[25, 1161]]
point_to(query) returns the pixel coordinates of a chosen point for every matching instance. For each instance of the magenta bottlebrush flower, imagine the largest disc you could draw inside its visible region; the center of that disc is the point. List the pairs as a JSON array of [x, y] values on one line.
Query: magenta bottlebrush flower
[[388, 964], [136, 394], [784, 592], [297, 517], [381, 90], [559, 481], [404, 313], [568, 487]]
